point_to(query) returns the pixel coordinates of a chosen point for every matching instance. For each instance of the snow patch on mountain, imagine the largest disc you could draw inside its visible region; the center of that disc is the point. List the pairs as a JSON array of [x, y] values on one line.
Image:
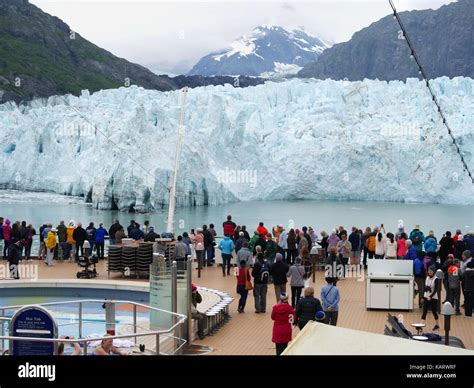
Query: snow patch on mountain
[[254, 54]]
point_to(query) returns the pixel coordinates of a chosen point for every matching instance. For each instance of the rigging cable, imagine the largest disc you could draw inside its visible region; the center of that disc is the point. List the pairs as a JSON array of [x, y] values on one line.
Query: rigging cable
[[422, 72]]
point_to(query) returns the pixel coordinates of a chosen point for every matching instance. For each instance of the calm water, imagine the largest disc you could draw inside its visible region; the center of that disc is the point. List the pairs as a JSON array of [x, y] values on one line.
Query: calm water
[[319, 214]]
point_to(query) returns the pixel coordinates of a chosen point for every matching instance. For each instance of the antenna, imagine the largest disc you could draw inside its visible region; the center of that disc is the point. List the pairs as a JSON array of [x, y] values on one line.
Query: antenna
[[179, 146]]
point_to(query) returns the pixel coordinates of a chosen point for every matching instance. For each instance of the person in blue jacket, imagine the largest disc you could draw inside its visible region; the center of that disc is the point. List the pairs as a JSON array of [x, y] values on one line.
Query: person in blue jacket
[[226, 245], [431, 243], [420, 276], [411, 252], [99, 239]]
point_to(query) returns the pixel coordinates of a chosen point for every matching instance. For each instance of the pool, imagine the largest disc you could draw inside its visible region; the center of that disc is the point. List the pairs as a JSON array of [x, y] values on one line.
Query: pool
[[15, 293]]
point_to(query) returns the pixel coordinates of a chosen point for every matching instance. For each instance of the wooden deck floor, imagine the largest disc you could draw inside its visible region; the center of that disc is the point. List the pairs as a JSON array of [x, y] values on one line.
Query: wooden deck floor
[[250, 333]]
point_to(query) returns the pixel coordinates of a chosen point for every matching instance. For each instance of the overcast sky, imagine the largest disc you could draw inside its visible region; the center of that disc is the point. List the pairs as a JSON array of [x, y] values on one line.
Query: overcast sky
[[173, 35]]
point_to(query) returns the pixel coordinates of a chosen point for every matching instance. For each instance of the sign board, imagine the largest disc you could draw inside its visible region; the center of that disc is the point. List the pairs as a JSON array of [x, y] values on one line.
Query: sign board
[[37, 322]]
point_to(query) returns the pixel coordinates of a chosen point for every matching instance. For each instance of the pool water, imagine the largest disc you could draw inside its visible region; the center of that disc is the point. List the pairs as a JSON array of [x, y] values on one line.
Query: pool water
[[66, 316]]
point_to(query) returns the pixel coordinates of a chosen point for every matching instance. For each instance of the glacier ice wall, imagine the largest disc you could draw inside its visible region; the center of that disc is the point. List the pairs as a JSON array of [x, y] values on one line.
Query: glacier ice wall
[[298, 139]]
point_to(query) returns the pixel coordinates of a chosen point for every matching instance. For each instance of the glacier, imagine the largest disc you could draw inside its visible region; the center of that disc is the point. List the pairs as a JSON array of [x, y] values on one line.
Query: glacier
[[297, 139]]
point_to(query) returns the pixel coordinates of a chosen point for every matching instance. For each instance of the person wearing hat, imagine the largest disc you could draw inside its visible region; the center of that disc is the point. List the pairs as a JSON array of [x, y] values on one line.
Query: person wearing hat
[[430, 295], [196, 298], [283, 317], [50, 243], [417, 238]]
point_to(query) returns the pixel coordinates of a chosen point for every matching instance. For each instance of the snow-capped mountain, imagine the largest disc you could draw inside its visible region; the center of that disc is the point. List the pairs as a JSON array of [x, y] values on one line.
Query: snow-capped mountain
[[267, 49], [298, 139]]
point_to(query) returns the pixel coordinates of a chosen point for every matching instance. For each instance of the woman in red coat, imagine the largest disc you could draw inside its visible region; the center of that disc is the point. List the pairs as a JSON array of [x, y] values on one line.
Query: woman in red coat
[[284, 316]]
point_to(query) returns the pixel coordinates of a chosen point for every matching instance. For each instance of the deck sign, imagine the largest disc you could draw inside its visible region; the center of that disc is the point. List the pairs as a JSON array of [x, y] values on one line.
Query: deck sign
[[37, 322]]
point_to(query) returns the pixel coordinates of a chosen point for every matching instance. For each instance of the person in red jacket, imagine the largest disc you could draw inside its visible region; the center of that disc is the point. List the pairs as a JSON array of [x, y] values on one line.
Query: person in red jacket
[[284, 317], [229, 227], [262, 230]]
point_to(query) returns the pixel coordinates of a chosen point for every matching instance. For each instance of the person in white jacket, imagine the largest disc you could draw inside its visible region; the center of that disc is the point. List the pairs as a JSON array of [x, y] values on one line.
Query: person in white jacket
[[380, 244], [391, 247]]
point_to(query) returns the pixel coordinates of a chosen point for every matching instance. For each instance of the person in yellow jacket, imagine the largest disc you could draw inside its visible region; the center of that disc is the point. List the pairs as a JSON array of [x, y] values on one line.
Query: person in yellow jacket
[[370, 244], [70, 242], [51, 242]]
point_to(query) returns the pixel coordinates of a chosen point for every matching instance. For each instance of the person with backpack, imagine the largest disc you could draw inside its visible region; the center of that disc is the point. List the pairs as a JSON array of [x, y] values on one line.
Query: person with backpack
[[454, 285], [90, 233], [243, 277], [298, 275], [283, 316], [278, 271], [417, 238], [307, 308], [370, 243], [330, 299], [420, 278], [261, 276]]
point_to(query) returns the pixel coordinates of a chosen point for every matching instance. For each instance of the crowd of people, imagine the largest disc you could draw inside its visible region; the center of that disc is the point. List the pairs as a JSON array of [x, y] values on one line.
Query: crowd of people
[[276, 257]]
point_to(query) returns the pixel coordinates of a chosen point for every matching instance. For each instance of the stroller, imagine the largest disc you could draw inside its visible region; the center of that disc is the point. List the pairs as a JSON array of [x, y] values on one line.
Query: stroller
[[85, 262]]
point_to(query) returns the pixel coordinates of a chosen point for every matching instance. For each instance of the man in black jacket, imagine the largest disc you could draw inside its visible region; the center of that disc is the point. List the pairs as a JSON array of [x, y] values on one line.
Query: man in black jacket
[[263, 244], [114, 229], [468, 288], [246, 234], [261, 275], [307, 308], [307, 237], [208, 245], [79, 235], [278, 271]]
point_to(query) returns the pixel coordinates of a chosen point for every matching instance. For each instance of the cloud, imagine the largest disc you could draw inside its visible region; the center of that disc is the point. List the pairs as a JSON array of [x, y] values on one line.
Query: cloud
[[178, 33]]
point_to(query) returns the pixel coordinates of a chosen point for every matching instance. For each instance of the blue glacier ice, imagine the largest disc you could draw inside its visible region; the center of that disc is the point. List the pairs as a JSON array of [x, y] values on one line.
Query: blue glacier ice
[[297, 139]]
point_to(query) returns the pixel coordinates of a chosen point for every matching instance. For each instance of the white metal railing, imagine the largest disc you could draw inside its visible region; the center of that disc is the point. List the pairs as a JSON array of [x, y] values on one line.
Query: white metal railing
[[174, 332]]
